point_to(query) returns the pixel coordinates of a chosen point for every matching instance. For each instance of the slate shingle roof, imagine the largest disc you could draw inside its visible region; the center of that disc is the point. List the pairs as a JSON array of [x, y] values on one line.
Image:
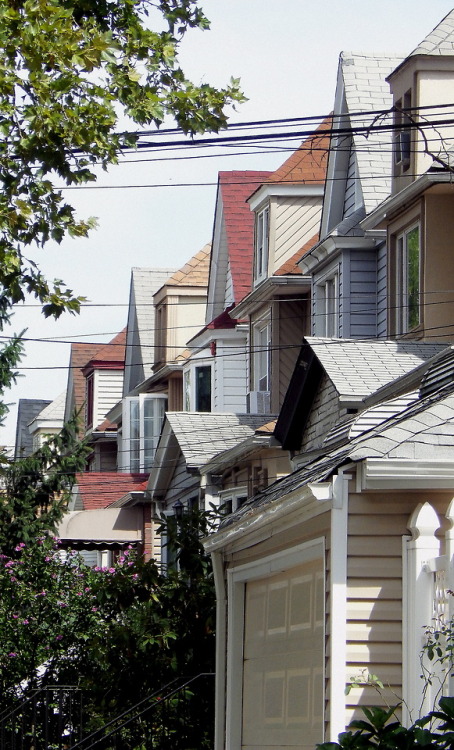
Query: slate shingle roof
[[440, 41], [201, 436], [28, 409], [235, 187], [366, 89], [99, 489], [358, 368]]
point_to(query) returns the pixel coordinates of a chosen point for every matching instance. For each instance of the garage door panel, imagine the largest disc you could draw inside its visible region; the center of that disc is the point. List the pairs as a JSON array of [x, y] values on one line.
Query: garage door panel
[[283, 660]]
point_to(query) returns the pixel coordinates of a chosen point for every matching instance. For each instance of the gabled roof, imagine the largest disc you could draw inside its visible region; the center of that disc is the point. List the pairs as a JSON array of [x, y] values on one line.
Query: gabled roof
[[95, 489], [355, 368], [308, 163], [422, 431], [114, 351], [201, 436], [194, 272], [54, 410], [145, 282], [27, 410], [233, 189]]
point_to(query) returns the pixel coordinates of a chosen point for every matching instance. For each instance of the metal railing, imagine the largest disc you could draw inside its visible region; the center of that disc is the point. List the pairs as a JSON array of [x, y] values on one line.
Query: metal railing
[[50, 718], [177, 716]]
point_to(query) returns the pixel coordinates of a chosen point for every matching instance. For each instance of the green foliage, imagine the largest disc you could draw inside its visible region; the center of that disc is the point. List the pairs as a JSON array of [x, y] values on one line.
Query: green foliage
[[68, 69], [119, 633], [36, 489], [436, 730]]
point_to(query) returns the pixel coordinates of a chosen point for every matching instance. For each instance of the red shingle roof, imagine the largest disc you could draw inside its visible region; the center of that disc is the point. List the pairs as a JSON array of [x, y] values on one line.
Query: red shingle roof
[[84, 354], [99, 489], [235, 188], [308, 163]]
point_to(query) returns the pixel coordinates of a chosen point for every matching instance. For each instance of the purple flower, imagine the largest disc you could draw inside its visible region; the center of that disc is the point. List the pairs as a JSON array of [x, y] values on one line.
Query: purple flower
[[111, 570], [9, 564], [94, 609], [19, 547], [62, 604], [25, 622], [12, 653], [58, 637], [15, 617]]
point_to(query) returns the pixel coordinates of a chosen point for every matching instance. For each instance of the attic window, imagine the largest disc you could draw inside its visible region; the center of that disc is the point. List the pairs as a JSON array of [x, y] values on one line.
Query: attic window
[[402, 137], [261, 244]]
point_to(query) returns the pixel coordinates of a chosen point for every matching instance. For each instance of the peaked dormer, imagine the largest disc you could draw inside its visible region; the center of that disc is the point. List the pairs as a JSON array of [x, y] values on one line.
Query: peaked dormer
[[420, 86]]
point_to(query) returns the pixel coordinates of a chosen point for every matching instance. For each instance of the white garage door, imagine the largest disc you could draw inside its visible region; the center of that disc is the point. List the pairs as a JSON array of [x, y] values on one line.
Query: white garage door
[[283, 660]]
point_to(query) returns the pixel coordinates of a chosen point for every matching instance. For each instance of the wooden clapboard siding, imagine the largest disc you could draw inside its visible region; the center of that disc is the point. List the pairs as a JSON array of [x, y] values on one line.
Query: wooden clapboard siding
[[292, 322], [382, 292], [350, 187], [297, 220], [324, 414], [182, 485], [374, 596], [108, 392]]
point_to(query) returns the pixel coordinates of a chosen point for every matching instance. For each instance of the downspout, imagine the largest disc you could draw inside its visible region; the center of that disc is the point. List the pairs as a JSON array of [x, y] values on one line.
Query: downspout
[[338, 604], [221, 640]]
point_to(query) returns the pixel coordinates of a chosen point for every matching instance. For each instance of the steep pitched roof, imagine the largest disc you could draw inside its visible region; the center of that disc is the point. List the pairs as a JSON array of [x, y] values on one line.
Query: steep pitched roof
[[27, 411], [96, 489], [201, 436], [440, 41], [145, 282], [234, 188], [114, 351], [194, 272], [55, 410], [358, 368], [308, 163], [366, 90]]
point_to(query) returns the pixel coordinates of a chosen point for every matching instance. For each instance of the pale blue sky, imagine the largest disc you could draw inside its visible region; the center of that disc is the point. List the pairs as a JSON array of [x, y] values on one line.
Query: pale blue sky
[[285, 52]]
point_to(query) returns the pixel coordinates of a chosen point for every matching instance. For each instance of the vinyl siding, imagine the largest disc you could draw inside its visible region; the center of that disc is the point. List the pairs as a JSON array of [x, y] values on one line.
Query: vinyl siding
[[374, 596], [182, 486], [363, 295], [350, 188], [109, 386], [382, 321], [230, 377], [324, 414], [296, 222], [229, 298]]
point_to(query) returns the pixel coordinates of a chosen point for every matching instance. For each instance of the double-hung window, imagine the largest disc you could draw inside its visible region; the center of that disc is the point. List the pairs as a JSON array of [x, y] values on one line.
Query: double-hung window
[[327, 306], [261, 244], [142, 421], [407, 280], [262, 355]]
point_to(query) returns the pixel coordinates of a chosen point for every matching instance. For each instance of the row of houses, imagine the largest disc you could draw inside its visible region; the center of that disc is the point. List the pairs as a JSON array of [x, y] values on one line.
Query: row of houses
[[298, 373]]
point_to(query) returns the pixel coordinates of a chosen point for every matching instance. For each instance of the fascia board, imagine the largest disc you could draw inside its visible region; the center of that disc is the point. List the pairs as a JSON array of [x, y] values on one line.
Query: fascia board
[[264, 292], [116, 413], [326, 249], [203, 339], [405, 474], [241, 451], [272, 190], [280, 515]]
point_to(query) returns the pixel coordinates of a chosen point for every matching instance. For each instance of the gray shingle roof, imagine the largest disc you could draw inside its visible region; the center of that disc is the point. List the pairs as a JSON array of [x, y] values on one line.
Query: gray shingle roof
[[55, 410], [28, 409], [440, 41], [424, 430], [201, 436], [145, 282], [366, 89], [358, 368]]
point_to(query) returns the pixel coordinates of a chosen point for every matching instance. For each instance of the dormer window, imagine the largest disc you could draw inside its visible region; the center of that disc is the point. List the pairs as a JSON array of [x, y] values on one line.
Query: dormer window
[[261, 244], [407, 280], [402, 136]]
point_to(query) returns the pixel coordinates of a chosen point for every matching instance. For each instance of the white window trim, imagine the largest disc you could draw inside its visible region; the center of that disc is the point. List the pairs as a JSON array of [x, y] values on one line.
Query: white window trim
[[261, 249], [327, 321], [126, 456], [237, 577], [235, 495], [264, 324], [190, 373]]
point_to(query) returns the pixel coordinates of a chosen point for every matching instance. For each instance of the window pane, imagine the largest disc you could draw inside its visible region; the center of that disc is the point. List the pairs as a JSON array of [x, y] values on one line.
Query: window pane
[[203, 388], [413, 277]]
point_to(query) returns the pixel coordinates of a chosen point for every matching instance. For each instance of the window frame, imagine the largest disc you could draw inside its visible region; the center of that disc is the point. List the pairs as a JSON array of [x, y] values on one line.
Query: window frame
[[327, 305], [141, 458], [261, 355], [190, 386], [404, 308], [261, 243]]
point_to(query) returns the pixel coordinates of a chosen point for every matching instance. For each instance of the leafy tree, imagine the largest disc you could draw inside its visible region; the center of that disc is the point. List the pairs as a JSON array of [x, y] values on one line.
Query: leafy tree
[[68, 70], [119, 633]]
